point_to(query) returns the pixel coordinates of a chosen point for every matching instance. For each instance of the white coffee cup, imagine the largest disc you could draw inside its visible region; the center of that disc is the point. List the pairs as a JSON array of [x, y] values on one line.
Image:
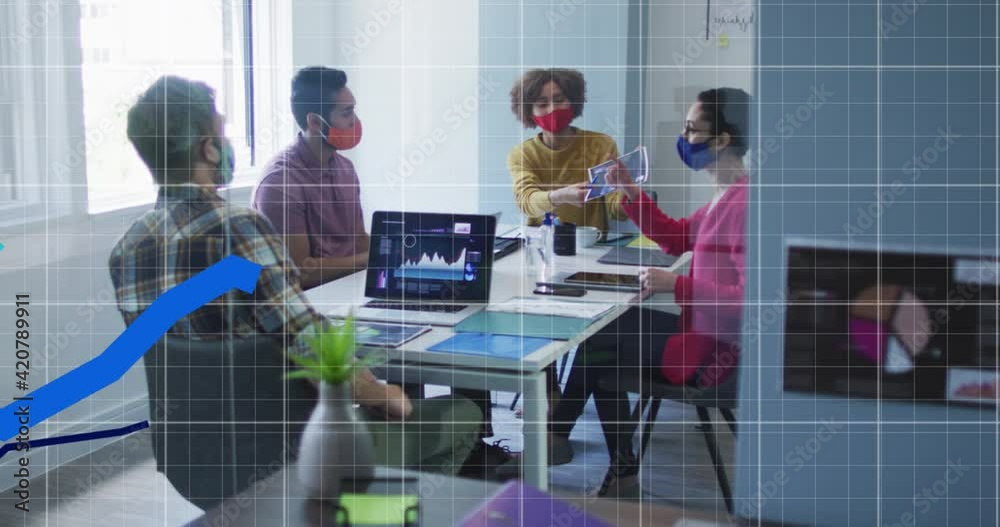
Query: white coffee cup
[[587, 237]]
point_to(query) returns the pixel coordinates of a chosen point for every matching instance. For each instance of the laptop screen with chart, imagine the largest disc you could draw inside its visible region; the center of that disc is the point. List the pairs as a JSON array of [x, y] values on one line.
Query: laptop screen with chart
[[430, 256]]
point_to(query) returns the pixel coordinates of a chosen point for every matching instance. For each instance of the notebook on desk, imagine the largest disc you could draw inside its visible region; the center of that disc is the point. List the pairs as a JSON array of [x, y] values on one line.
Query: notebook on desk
[[524, 325], [493, 345], [637, 256], [521, 505]]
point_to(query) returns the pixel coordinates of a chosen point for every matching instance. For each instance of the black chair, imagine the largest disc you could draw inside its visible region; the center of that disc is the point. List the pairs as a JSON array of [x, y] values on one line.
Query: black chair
[[723, 397], [222, 416]]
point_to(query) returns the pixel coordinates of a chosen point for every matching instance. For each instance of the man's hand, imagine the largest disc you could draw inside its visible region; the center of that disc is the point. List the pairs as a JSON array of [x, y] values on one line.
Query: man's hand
[[575, 195], [656, 280], [387, 399], [618, 177], [397, 405]]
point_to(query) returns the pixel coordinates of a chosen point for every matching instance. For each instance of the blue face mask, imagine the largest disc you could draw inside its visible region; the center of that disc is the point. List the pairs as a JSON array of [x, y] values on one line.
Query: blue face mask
[[695, 156]]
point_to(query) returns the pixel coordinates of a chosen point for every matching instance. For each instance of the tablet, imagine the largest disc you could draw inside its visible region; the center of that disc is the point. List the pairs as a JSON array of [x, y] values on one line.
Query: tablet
[[607, 279]]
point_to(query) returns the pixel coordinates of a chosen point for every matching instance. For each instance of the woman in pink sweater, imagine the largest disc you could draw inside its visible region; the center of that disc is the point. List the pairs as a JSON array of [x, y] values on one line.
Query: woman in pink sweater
[[701, 347]]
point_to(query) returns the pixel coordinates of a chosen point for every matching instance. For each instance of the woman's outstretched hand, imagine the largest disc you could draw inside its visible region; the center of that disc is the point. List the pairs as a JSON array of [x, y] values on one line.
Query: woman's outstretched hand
[[574, 195], [618, 177]]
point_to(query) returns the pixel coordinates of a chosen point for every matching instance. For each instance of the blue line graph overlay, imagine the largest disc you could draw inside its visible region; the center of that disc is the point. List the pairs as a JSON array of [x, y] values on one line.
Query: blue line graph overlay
[[106, 368], [77, 438]]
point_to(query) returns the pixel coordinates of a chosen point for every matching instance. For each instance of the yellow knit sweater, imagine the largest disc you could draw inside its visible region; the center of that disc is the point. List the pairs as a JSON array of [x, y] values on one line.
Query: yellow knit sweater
[[537, 169]]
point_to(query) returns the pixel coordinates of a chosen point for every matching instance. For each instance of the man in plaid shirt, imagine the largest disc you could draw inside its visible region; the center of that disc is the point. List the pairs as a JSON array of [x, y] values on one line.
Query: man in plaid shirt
[[177, 132]]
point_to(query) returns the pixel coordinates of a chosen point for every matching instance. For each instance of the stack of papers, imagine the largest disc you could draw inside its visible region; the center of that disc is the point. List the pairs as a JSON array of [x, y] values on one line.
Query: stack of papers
[[384, 334], [530, 305]]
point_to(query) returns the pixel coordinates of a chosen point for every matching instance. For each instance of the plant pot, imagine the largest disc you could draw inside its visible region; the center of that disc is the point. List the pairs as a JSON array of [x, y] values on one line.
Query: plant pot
[[335, 444]]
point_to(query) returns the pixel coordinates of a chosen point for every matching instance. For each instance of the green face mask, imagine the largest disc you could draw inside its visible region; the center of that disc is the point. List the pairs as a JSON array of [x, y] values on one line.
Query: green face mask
[[227, 163]]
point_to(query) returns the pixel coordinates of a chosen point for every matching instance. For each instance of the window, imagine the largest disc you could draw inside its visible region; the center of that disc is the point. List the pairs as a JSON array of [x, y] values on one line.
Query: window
[[126, 46]]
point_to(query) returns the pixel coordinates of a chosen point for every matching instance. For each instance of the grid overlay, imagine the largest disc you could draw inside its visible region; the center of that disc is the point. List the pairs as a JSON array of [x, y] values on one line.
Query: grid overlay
[[896, 100]]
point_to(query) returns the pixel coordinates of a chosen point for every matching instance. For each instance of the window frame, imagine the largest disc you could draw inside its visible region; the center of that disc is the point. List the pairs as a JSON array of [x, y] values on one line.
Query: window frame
[[265, 90]]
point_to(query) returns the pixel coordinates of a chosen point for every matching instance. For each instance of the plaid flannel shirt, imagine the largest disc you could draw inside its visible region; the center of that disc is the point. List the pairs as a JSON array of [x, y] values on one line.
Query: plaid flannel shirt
[[186, 233]]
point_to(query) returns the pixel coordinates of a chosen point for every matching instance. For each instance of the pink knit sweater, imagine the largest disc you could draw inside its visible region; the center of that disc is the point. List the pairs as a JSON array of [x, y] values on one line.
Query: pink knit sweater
[[711, 296]]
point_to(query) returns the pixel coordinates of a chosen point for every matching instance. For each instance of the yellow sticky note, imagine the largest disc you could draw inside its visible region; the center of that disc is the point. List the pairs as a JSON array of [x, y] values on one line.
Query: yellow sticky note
[[723, 41], [642, 242]]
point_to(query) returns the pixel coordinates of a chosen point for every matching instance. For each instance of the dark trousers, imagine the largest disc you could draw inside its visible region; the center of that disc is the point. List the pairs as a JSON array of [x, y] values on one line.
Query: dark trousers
[[630, 347]]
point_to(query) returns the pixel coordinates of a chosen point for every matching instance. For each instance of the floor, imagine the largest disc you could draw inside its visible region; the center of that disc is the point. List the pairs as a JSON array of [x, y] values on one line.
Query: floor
[[118, 485]]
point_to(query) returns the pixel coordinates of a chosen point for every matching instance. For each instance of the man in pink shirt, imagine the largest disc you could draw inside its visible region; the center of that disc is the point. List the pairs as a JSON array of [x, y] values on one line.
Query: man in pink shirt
[[310, 191], [312, 196]]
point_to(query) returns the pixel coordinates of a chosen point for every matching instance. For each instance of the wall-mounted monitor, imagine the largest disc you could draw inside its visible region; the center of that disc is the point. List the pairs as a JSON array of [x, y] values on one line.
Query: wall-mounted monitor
[[895, 323]]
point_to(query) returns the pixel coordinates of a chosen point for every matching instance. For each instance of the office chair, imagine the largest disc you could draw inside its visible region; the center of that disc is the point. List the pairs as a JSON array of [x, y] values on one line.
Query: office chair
[[222, 415], [723, 397]]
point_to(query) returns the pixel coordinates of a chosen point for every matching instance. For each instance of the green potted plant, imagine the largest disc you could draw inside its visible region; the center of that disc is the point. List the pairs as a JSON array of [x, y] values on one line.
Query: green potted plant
[[335, 443]]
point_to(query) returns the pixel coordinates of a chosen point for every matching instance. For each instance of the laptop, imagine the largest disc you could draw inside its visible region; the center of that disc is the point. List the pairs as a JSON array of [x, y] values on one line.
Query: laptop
[[428, 268]]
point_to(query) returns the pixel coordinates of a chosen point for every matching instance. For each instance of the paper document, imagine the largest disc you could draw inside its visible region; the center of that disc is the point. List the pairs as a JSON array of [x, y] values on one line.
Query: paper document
[[554, 307], [637, 163], [384, 334]]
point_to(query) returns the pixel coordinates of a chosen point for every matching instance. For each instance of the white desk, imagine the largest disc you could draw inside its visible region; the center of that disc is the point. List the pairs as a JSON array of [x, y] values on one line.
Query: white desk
[[415, 364]]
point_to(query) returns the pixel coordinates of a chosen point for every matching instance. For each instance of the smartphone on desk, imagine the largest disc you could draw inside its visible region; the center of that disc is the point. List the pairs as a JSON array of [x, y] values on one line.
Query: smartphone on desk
[[556, 290], [603, 279]]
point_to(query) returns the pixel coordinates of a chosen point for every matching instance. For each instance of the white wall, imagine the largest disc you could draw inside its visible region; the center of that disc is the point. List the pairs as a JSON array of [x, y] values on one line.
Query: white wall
[[413, 67], [518, 36], [681, 64]]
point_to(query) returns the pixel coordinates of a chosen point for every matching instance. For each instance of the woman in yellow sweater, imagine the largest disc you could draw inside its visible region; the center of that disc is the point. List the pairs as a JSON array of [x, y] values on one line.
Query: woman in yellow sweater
[[550, 169]]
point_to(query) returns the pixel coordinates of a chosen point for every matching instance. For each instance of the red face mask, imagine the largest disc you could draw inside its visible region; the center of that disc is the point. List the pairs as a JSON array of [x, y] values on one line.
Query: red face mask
[[555, 121], [344, 138]]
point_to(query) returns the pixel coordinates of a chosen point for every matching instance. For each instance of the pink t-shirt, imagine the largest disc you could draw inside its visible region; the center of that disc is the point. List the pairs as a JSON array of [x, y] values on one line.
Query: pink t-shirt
[[299, 196], [711, 296]]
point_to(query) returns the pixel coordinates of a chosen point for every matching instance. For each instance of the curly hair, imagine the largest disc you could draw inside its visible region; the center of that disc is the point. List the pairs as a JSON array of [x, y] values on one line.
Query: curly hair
[[528, 88]]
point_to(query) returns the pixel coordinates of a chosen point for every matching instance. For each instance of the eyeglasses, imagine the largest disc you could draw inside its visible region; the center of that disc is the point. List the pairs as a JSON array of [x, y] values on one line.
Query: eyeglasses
[[690, 129]]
